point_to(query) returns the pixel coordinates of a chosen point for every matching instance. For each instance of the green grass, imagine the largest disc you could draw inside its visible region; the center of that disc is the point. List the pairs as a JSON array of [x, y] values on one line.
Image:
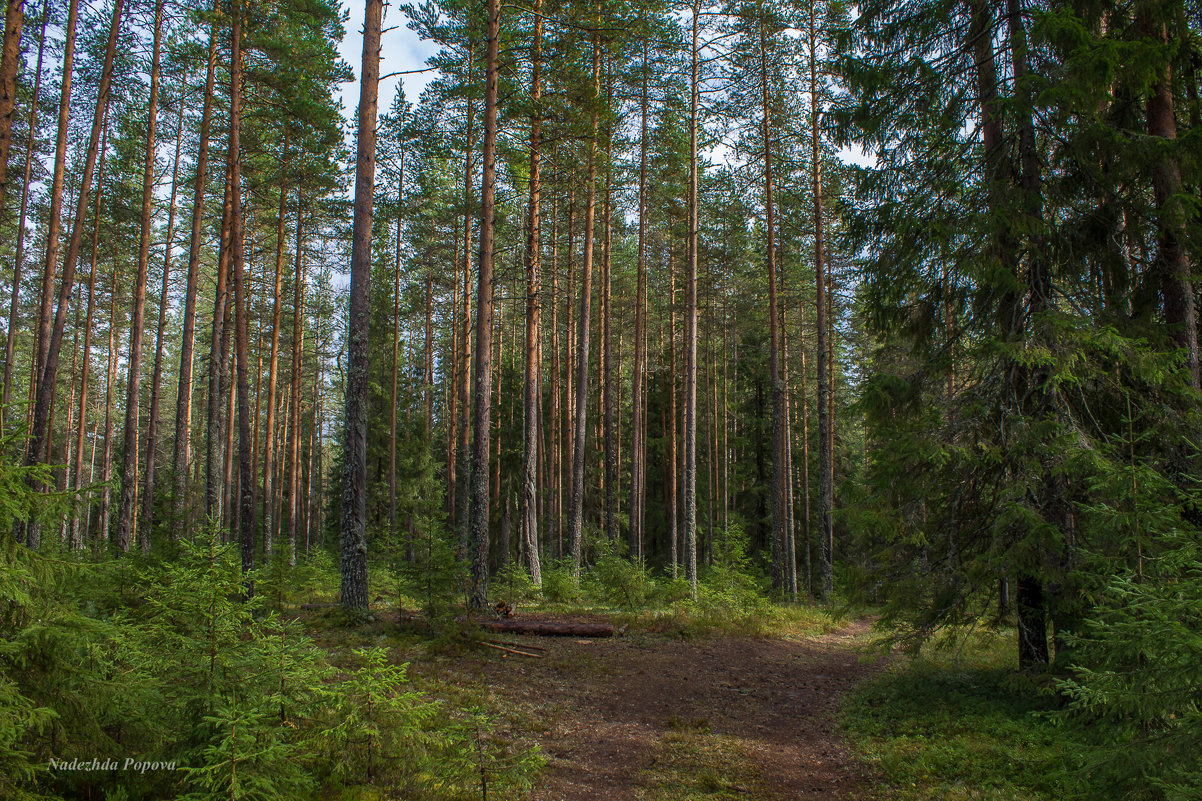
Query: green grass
[[963, 726], [692, 763]]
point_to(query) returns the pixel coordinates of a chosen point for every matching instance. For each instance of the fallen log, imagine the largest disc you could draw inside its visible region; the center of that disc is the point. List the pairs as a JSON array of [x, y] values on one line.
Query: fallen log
[[551, 628]]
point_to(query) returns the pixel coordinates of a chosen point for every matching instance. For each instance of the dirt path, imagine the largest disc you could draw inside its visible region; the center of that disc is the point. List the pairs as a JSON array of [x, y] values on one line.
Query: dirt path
[[656, 718]]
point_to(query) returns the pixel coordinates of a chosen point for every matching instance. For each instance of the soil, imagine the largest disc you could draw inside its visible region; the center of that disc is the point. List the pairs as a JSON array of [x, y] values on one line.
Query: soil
[[763, 709]]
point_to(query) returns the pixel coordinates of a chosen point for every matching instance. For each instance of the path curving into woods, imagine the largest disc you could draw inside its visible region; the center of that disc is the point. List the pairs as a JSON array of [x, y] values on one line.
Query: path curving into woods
[[655, 717]]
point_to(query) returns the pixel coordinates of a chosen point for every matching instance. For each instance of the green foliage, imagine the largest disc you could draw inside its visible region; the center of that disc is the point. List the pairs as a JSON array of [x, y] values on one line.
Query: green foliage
[[559, 585], [960, 725], [513, 585], [618, 582], [433, 577], [1137, 686], [173, 665], [378, 725]]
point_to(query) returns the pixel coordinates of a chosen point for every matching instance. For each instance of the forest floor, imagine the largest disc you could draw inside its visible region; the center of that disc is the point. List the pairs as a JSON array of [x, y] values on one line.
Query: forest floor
[[660, 717]]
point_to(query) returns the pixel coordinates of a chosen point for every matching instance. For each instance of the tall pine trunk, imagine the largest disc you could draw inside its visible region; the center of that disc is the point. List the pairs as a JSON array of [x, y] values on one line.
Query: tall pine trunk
[[396, 337], [273, 364], [530, 406], [298, 343], [127, 518], [580, 432], [55, 215], [19, 259], [38, 451], [1172, 258], [463, 380], [106, 461], [482, 390], [638, 436], [609, 419], [82, 510], [779, 464], [353, 545], [183, 403], [246, 477], [156, 381], [826, 483], [215, 437], [10, 62], [690, 327]]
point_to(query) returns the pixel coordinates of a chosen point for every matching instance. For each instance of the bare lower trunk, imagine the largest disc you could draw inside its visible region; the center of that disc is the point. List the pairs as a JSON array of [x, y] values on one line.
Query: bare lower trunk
[[779, 465], [298, 343], [396, 337], [482, 390], [353, 545], [530, 406], [463, 380], [825, 467], [39, 444], [273, 365], [610, 436], [214, 473], [246, 477], [673, 466], [10, 62], [55, 215], [638, 446], [19, 260], [690, 333], [183, 408], [127, 519], [1173, 258], [576, 521], [106, 461], [156, 382], [82, 508]]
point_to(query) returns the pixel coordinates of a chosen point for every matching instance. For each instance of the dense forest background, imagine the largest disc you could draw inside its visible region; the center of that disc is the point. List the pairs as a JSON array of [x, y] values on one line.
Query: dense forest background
[[611, 295]]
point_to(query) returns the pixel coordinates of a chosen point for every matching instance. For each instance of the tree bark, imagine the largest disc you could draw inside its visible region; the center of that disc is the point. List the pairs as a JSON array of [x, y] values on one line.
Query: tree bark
[[531, 428], [246, 476], [638, 448], [40, 441], [10, 62], [1172, 260], [82, 511], [576, 522], [482, 389], [273, 364], [353, 544], [106, 462], [19, 260], [214, 472], [826, 486], [690, 328], [156, 382], [779, 465], [298, 343], [463, 381], [55, 216], [396, 337], [127, 518], [183, 404], [673, 464], [607, 376]]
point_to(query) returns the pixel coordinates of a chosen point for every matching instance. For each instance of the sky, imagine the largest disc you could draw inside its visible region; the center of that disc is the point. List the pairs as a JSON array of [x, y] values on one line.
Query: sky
[[400, 50]]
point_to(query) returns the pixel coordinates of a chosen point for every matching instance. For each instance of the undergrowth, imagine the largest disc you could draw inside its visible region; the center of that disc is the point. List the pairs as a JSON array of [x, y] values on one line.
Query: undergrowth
[[952, 725]]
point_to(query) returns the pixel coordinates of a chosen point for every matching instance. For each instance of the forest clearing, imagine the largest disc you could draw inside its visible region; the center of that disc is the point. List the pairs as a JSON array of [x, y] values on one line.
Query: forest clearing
[[600, 399]]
